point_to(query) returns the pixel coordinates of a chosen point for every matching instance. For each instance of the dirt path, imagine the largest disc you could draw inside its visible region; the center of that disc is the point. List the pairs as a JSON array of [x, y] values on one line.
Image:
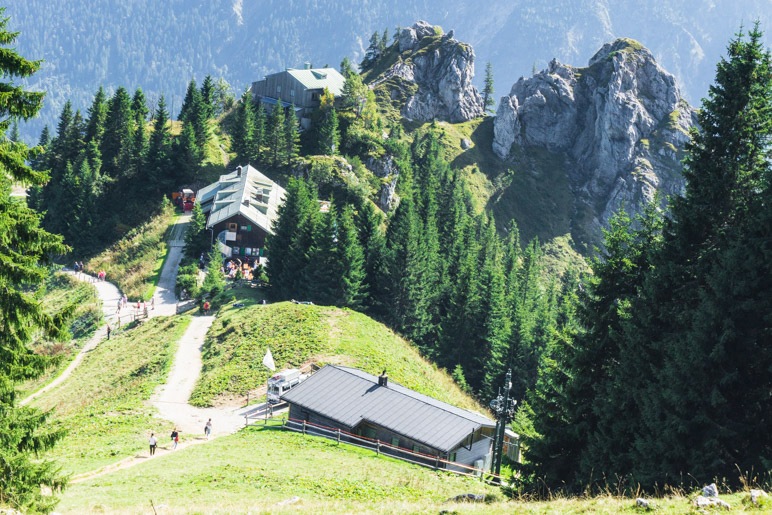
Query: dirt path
[[171, 399], [109, 294], [165, 301]]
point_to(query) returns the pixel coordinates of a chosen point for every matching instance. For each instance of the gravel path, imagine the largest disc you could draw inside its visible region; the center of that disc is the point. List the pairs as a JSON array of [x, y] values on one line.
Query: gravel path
[[109, 294], [170, 399]]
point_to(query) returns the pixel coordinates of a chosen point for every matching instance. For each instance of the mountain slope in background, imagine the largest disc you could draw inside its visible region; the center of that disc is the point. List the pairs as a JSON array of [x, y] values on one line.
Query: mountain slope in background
[[160, 45]]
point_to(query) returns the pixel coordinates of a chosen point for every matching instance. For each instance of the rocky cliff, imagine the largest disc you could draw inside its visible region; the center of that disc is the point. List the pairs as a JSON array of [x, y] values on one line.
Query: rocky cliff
[[619, 126], [432, 75]]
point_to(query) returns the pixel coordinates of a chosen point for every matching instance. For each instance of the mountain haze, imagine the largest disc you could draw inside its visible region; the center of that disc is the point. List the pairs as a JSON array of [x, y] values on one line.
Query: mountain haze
[[160, 45]]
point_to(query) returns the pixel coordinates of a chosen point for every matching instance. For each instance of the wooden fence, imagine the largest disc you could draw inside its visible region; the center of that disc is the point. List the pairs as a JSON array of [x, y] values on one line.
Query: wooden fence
[[417, 458]]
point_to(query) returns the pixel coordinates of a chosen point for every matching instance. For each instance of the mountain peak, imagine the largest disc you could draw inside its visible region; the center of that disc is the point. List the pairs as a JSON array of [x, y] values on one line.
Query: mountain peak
[[621, 46]]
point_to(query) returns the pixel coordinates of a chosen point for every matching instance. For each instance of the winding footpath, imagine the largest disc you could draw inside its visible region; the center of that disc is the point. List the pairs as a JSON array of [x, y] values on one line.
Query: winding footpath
[[170, 399]]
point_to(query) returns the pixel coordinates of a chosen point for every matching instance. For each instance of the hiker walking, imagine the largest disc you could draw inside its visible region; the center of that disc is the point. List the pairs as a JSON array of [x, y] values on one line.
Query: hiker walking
[[206, 307], [153, 443], [175, 438], [208, 428], [109, 330]]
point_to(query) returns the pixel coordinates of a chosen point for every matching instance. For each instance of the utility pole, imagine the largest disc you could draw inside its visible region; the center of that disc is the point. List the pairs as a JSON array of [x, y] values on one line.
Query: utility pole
[[504, 408]]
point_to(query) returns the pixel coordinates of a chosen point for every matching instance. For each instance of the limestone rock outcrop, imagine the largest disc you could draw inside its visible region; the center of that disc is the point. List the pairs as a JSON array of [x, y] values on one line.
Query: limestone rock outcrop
[[620, 125], [440, 70]]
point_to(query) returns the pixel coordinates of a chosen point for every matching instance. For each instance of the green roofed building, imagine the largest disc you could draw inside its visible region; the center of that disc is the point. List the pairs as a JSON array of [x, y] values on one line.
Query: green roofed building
[[299, 87]]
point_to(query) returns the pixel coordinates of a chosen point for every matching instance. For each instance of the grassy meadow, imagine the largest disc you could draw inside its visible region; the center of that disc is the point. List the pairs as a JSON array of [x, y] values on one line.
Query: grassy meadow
[[267, 470], [298, 334], [134, 263], [103, 405], [61, 290]]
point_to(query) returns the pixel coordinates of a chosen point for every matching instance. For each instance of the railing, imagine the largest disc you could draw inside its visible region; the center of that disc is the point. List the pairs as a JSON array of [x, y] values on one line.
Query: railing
[[425, 460]]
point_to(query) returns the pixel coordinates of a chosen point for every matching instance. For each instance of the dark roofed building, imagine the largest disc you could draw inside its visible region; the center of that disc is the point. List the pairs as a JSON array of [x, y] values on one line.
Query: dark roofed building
[[374, 407], [241, 208]]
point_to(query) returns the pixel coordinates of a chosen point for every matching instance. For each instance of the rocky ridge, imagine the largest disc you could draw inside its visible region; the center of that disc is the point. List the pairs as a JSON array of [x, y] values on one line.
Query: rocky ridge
[[440, 70], [620, 125]]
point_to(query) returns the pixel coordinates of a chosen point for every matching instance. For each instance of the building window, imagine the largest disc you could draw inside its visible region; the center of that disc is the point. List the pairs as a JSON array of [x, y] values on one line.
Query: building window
[[369, 432], [278, 88], [233, 227], [452, 457], [292, 93], [395, 442], [244, 227], [416, 448]]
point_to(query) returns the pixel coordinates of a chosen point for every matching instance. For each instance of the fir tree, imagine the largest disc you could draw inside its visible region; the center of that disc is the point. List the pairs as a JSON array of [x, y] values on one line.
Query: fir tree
[[24, 246]]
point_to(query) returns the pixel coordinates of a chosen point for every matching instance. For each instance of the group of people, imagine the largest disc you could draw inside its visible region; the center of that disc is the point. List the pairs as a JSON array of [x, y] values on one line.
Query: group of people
[[247, 268], [175, 437], [141, 306]]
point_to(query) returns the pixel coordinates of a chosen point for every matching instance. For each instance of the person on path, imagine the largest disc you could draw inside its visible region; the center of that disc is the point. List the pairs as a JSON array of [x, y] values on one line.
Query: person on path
[[175, 438], [152, 303], [109, 330], [153, 442], [208, 428], [206, 307]]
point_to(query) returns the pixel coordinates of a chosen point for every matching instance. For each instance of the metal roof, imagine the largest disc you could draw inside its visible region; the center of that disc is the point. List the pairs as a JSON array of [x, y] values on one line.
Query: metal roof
[[320, 78], [350, 396], [247, 192]]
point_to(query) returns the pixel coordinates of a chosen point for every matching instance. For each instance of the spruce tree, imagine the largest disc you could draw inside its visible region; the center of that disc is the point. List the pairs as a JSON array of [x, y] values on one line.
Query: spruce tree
[[695, 308], [352, 262], [214, 282], [259, 137], [244, 130], [197, 237], [24, 246], [208, 96], [373, 242], [291, 136], [115, 146], [277, 134], [488, 101], [97, 115], [139, 144], [161, 175], [191, 93]]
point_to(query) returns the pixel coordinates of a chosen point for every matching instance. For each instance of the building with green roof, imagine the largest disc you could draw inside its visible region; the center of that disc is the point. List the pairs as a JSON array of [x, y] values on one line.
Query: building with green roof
[[299, 87]]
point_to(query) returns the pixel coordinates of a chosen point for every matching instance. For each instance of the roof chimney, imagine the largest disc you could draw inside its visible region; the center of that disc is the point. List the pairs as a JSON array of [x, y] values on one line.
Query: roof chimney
[[238, 171], [307, 65], [383, 379]]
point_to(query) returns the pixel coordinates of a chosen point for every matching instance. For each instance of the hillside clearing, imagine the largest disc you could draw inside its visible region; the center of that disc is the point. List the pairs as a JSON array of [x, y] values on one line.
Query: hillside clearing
[[103, 405], [298, 334]]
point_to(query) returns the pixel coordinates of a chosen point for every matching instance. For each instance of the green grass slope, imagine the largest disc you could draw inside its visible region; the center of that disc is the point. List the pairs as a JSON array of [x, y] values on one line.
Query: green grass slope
[[103, 405], [265, 470], [298, 334], [61, 290], [256, 470]]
